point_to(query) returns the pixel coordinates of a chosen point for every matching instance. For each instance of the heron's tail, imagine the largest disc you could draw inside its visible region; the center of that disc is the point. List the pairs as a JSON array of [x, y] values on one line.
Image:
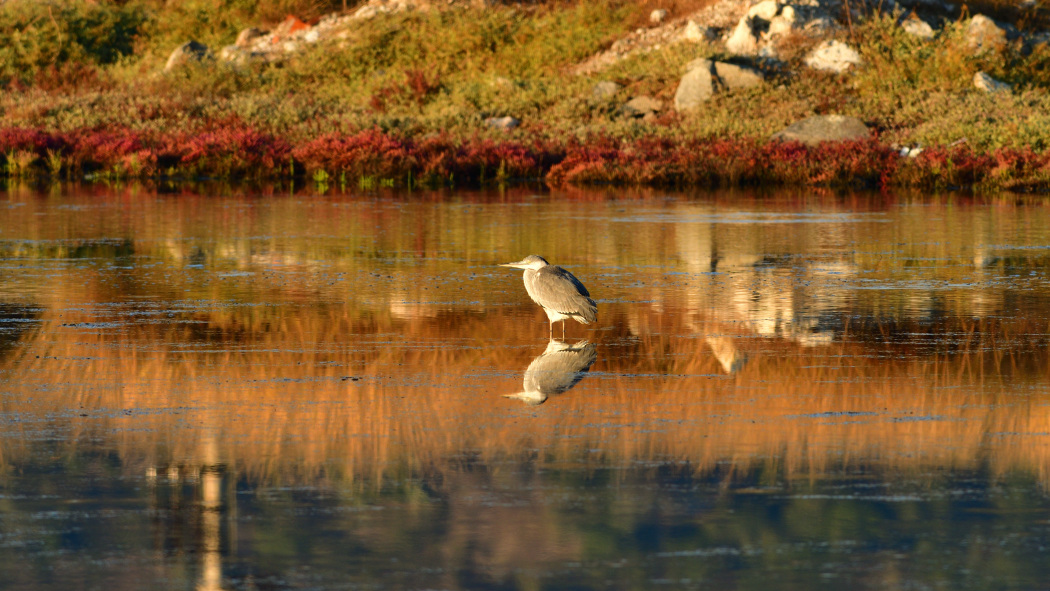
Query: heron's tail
[[588, 312]]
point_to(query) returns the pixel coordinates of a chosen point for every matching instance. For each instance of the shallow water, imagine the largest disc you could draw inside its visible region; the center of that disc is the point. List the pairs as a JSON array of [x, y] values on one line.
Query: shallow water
[[793, 391]]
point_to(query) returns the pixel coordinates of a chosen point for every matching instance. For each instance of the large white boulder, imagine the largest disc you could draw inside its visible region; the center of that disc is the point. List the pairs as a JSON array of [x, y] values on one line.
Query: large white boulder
[[833, 56]]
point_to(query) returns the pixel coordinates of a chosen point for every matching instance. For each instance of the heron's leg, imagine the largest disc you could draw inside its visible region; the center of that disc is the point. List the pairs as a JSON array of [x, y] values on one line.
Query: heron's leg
[[563, 330]]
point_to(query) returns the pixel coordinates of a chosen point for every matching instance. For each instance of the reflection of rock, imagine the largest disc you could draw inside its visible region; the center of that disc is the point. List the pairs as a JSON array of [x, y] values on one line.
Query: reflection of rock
[[726, 352], [404, 308], [560, 367]]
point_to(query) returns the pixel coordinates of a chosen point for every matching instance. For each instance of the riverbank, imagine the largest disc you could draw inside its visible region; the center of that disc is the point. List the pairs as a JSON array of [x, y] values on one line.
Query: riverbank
[[566, 93], [373, 158]]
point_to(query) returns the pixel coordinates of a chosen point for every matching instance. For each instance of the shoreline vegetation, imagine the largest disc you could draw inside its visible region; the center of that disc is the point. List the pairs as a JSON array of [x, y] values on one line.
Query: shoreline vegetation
[[408, 98]]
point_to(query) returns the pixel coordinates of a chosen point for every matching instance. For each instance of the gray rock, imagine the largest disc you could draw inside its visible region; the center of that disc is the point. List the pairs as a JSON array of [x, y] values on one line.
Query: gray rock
[[641, 106], [914, 25], [506, 123], [705, 78], [765, 10], [734, 77], [605, 90], [781, 25], [743, 40], [988, 84], [819, 26], [984, 34], [697, 33], [699, 84], [657, 16], [248, 37], [190, 51], [234, 54], [833, 56], [824, 128]]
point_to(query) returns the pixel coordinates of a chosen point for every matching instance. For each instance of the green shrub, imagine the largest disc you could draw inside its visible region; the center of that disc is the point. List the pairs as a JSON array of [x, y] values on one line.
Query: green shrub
[[45, 35]]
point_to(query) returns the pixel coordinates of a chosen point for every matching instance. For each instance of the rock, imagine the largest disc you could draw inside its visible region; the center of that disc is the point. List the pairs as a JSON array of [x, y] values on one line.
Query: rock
[[234, 54], [1037, 40], [374, 8], [914, 25], [605, 89], [657, 16], [819, 27], [735, 77], [697, 33], [248, 37], [367, 11], [641, 106], [984, 34], [988, 84], [699, 84], [503, 83], [190, 51], [705, 78], [833, 56], [288, 27], [824, 128], [506, 123], [764, 10], [780, 25], [742, 41]]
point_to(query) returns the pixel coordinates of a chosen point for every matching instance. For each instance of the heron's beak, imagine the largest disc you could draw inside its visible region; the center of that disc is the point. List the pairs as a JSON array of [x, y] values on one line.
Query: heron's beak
[[517, 265], [529, 398]]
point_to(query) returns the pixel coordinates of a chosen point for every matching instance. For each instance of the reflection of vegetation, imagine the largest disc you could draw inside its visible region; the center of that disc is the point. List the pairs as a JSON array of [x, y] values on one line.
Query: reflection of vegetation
[[265, 300], [15, 322], [288, 341]]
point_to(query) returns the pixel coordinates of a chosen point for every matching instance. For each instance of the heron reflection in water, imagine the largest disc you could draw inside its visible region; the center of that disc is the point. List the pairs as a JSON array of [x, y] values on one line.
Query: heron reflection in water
[[561, 295], [560, 367]]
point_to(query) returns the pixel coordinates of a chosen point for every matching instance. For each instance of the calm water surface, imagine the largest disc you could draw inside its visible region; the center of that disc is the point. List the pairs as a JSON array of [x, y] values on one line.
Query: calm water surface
[[790, 391]]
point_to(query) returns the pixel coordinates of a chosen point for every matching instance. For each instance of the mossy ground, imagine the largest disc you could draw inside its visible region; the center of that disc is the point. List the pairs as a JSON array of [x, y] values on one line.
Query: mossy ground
[[86, 80]]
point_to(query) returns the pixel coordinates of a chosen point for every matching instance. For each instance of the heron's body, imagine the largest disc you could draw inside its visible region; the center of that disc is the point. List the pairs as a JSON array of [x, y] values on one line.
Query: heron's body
[[560, 367], [561, 295]]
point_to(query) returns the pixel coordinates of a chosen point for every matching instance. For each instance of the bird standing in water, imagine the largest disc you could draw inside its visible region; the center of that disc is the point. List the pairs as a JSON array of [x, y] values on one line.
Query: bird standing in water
[[557, 291]]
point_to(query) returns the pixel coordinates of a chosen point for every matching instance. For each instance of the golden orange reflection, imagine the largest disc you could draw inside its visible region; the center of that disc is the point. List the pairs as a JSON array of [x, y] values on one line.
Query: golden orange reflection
[[305, 401], [309, 340]]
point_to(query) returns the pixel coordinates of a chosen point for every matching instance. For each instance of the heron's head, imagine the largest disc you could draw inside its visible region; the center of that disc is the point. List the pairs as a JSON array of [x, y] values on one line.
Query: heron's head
[[530, 262]]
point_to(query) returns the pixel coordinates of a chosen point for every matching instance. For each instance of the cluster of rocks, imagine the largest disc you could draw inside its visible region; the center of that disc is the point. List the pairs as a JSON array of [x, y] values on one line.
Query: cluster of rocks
[[754, 40], [293, 35], [755, 34]]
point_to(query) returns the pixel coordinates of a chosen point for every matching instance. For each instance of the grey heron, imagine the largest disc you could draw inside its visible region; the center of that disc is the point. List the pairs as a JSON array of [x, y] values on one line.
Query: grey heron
[[557, 291], [560, 367]]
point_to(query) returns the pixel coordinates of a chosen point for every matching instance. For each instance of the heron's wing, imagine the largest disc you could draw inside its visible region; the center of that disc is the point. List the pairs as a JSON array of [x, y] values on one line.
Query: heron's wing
[[555, 288], [557, 371]]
